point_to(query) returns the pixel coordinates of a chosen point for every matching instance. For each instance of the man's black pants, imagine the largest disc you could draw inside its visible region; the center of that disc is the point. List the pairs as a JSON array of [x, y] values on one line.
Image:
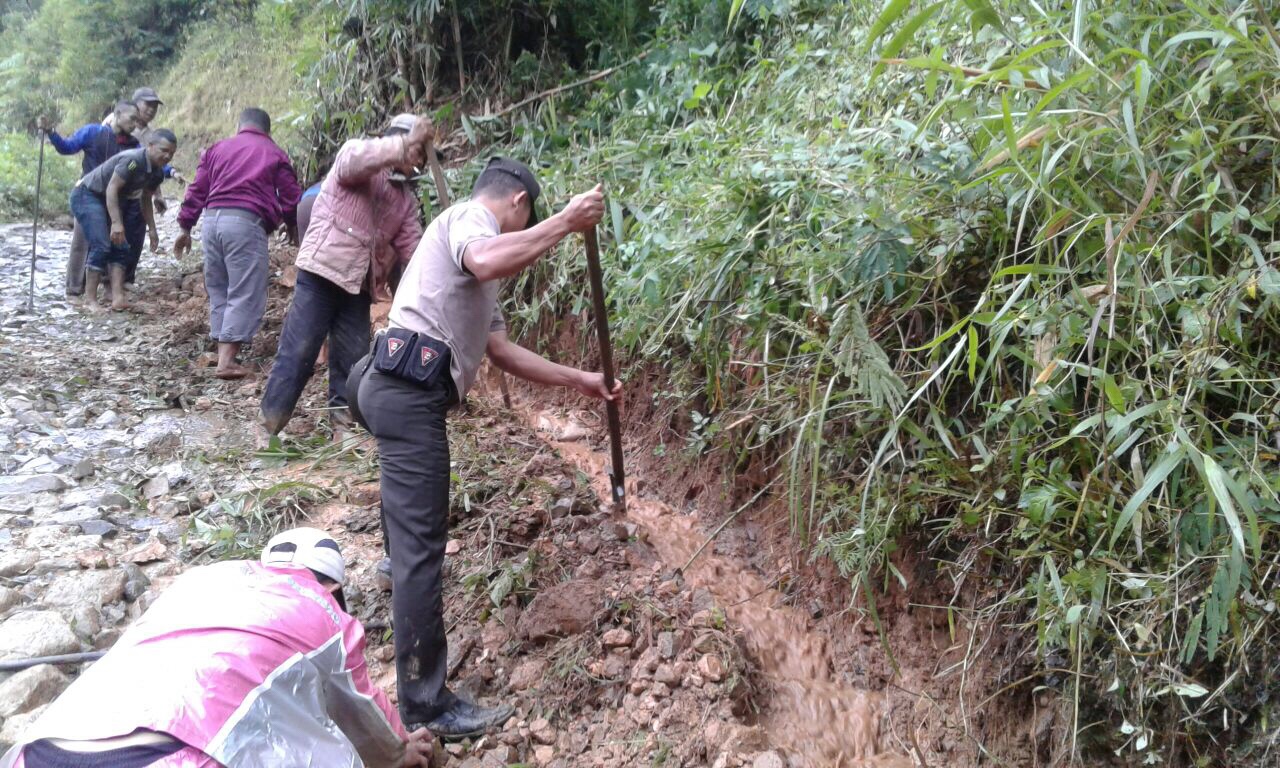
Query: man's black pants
[[320, 309], [413, 445]]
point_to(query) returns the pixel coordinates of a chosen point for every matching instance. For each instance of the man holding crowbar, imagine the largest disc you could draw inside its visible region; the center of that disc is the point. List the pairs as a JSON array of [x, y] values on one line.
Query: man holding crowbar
[[444, 320]]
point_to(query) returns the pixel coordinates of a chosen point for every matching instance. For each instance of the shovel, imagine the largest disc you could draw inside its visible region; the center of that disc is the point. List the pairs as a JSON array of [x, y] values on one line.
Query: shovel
[[616, 478]]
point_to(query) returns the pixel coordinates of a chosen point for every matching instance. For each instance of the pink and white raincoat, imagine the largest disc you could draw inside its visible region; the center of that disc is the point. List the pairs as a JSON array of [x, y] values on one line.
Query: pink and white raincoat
[[250, 666]]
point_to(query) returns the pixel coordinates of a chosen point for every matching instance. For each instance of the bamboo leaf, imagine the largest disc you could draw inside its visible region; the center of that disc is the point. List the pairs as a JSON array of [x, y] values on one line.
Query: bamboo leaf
[[1155, 477], [903, 36], [892, 11]]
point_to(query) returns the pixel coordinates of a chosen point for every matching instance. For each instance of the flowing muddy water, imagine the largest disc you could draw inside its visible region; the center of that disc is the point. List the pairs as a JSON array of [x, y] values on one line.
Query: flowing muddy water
[[813, 715]]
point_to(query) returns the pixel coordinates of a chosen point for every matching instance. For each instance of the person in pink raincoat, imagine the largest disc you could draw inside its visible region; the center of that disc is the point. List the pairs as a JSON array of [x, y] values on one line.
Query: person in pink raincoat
[[243, 664]]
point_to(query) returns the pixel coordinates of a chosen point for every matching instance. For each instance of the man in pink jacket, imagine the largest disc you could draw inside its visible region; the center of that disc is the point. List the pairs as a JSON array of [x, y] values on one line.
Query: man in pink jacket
[[241, 663], [363, 225]]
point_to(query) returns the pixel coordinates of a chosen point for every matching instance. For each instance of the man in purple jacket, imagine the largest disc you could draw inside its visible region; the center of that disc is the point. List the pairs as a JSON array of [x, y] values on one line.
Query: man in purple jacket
[[247, 186]]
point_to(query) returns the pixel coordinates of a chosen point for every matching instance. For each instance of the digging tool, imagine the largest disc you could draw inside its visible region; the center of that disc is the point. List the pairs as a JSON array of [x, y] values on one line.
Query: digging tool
[[616, 478], [442, 193], [35, 228]]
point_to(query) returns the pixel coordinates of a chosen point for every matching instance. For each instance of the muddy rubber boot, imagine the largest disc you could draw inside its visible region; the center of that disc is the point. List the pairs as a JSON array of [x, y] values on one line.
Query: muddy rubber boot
[[383, 574], [464, 719]]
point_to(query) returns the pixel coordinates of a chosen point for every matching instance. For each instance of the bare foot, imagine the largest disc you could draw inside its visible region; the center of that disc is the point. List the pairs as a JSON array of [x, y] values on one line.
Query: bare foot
[[232, 371], [93, 306], [119, 305]]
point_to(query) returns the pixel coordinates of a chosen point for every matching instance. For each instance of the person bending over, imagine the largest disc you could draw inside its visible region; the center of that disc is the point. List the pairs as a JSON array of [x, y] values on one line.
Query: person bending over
[[444, 320], [239, 663], [98, 142], [363, 225], [113, 206]]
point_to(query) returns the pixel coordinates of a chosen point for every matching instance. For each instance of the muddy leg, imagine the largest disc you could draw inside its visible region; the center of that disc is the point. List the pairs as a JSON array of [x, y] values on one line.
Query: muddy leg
[[228, 368], [91, 280], [119, 302]]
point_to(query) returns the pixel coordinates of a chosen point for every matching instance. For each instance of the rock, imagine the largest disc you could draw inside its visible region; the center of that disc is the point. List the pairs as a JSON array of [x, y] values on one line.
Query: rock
[[616, 638], [768, 759], [114, 500], [106, 419], [31, 688], [15, 726], [83, 468], [667, 645], [571, 433], [18, 404], [203, 404], [85, 588], [98, 528], [711, 668], [93, 558], [453, 547], [149, 551], [155, 487], [136, 582], [17, 562], [543, 755], [500, 756], [9, 598], [74, 516], [568, 608], [542, 732], [668, 675], [36, 633], [562, 507], [14, 485], [528, 674], [31, 418]]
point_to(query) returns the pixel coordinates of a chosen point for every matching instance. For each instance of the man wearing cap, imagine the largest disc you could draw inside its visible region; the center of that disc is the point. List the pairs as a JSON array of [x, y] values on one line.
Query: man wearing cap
[[148, 103], [239, 663], [246, 187], [98, 143], [443, 321], [363, 224]]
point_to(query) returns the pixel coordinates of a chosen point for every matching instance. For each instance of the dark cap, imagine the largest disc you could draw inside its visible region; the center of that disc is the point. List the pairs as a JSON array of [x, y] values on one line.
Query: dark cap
[[146, 94], [521, 171]]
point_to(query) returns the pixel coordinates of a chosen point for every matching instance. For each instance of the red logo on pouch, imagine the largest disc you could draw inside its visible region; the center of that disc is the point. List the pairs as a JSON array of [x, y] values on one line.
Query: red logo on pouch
[[394, 345], [428, 355]]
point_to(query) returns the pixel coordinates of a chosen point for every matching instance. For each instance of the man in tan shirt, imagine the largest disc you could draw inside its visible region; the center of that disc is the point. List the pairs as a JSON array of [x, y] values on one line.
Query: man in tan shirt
[[444, 320]]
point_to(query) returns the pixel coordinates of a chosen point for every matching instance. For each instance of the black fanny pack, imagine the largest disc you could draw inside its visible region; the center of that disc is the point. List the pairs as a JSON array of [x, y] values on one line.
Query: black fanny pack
[[414, 357]]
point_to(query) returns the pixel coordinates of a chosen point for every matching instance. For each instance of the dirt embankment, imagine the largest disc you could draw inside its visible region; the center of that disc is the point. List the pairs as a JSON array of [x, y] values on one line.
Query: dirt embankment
[[124, 462]]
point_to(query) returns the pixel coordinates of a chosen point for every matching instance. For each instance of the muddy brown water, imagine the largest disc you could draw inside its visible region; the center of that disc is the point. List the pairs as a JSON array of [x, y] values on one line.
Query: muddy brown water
[[814, 716]]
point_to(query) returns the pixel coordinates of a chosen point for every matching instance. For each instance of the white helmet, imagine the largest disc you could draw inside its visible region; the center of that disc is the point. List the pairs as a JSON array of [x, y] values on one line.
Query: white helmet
[[306, 548]]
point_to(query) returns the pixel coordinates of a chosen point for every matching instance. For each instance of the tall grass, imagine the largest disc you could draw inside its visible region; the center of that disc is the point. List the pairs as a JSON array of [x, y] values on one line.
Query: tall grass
[[998, 278]]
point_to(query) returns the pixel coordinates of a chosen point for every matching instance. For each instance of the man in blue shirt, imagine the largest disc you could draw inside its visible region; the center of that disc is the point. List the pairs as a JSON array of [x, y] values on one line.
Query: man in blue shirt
[[98, 142]]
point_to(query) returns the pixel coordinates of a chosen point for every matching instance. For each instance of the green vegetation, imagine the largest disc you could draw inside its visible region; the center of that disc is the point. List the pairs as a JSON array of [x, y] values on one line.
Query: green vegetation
[[19, 161], [995, 280], [72, 59], [243, 59]]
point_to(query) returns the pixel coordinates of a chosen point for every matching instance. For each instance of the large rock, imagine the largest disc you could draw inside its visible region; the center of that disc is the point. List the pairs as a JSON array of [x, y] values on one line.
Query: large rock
[[17, 562], [36, 633], [17, 725], [565, 609], [14, 485], [96, 588], [32, 687]]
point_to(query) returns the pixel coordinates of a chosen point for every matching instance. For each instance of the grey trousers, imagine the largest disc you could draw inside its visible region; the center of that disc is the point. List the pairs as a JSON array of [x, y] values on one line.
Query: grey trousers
[[75, 261], [235, 273]]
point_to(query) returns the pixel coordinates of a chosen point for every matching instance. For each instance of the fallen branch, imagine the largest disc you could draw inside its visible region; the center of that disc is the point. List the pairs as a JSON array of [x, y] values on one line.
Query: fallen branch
[[602, 74]]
